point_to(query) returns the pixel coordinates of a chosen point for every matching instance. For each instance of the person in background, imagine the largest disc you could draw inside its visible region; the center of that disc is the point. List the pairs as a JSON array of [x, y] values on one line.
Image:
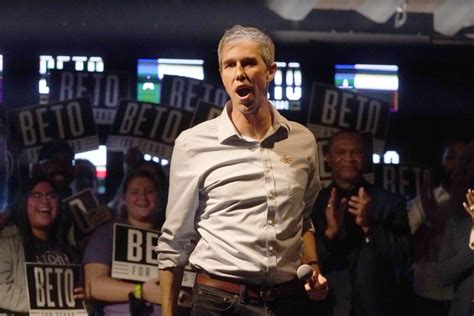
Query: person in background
[[427, 215], [140, 209], [85, 176], [362, 234], [157, 172], [242, 187], [56, 162], [131, 158], [456, 258], [34, 234]]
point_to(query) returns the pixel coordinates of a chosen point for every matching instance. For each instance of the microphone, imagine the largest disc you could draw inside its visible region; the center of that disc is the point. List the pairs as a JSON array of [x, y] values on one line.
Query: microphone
[[305, 273]]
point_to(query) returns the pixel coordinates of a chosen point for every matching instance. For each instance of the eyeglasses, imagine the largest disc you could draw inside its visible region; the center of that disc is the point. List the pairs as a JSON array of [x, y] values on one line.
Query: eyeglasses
[[38, 196]]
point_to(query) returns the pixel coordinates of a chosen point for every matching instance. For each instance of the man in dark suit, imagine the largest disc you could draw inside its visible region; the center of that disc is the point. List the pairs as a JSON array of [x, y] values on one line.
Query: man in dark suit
[[362, 234]]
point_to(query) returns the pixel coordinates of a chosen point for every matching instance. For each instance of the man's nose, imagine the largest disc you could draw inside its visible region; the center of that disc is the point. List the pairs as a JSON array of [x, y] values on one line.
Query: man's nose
[[239, 72], [349, 155]]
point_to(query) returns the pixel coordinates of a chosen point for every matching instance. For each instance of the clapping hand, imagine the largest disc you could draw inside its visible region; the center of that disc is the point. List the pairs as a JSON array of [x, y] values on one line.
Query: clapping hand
[[359, 206], [469, 204], [334, 214]]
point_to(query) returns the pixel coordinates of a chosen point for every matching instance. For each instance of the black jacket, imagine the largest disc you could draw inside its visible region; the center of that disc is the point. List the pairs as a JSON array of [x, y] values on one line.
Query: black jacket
[[377, 262]]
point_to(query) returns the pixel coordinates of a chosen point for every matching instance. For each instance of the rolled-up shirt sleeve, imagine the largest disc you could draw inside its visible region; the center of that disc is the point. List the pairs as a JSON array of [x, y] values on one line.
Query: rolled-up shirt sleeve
[[179, 235]]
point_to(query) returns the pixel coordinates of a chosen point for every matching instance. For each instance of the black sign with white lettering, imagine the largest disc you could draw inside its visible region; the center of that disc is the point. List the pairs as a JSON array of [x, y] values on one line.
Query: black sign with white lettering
[[205, 111], [134, 257], [72, 120], [404, 179], [104, 89], [81, 205], [332, 109], [51, 289], [150, 127], [184, 93]]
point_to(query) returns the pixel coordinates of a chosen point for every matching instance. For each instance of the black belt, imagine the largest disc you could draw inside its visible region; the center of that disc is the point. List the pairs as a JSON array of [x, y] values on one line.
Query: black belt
[[266, 293]]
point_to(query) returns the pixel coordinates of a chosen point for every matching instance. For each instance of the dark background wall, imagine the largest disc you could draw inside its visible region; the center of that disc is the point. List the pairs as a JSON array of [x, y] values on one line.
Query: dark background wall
[[436, 95]]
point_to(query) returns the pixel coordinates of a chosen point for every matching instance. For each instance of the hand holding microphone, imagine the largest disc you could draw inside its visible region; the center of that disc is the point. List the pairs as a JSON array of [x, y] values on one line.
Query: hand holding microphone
[[316, 284]]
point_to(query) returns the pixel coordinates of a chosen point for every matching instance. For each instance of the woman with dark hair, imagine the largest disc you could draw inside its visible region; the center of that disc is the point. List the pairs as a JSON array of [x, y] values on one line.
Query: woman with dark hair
[[456, 261], [140, 209], [33, 234]]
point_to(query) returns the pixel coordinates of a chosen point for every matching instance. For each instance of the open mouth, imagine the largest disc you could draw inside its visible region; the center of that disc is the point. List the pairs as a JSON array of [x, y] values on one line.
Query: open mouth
[[243, 91], [44, 210], [142, 205]]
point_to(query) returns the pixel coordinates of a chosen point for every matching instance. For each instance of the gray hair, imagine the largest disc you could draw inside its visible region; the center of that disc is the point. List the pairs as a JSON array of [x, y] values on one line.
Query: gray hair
[[239, 32]]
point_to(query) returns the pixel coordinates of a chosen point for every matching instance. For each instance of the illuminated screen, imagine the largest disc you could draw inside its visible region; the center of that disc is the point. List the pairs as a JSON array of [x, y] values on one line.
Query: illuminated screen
[[151, 71], [285, 90], [378, 81], [78, 63]]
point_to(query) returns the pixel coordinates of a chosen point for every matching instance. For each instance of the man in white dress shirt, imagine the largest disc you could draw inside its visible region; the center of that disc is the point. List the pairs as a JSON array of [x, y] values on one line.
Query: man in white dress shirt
[[242, 187]]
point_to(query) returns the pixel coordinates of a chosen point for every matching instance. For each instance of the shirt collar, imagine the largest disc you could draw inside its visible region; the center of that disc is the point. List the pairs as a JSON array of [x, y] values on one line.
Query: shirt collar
[[226, 129]]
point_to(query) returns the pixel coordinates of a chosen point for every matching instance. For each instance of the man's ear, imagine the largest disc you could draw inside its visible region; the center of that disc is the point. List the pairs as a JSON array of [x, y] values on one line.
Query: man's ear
[[271, 72]]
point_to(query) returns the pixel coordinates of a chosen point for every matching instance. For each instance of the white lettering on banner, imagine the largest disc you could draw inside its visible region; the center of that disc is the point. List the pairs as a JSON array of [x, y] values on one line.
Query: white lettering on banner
[[389, 178], [112, 91], [127, 120], [55, 313], [141, 118], [220, 95], [59, 119], [176, 95], [329, 107], [81, 90], [73, 87], [28, 134], [397, 178], [42, 125], [141, 271], [54, 295], [33, 122], [73, 113], [190, 95], [135, 116], [171, 129], [157, 121], [184, 93], [40, 294], [134, 242], [337, 110], [66, 86], [151, 241], [136, 248], [324, 170]]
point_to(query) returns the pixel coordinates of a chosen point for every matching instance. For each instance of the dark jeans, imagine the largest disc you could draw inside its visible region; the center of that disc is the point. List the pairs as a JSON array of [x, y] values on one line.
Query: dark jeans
[[209, 301], [426, 306]]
